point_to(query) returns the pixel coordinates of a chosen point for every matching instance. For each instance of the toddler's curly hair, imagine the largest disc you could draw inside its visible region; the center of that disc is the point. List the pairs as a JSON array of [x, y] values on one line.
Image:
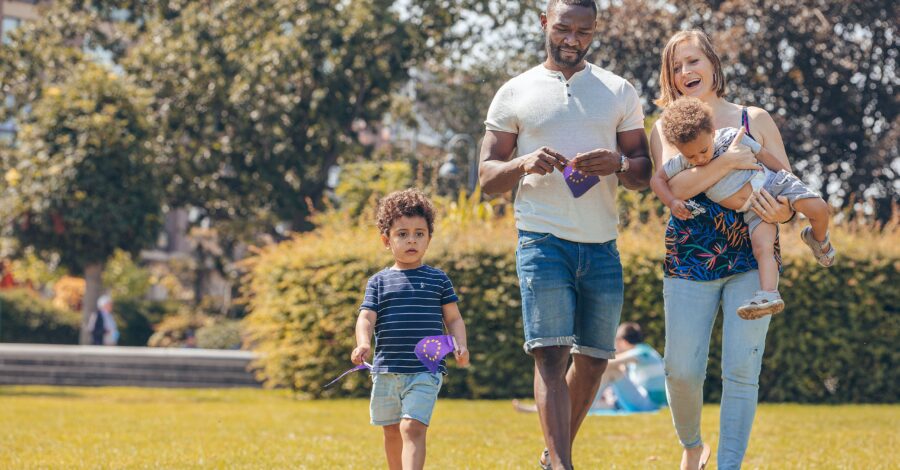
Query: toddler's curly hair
[[410, 203], [685, 119]]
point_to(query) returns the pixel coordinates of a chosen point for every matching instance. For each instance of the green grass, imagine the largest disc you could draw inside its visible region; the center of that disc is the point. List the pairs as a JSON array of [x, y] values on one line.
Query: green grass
[[70, 428]]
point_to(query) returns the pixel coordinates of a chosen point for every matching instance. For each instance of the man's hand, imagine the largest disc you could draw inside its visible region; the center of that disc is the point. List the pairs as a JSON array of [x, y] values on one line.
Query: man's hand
[[462, 356], [600, 162], [542, 161], [680, 210], [360, 353]]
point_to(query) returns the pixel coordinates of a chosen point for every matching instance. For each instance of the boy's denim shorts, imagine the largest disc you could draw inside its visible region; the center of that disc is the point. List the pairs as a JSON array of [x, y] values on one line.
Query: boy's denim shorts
[[572, 293], [398, 396]]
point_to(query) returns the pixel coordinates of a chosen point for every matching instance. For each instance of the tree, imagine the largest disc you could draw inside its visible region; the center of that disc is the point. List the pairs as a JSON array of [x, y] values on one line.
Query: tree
[[81, 181], [257, 100]]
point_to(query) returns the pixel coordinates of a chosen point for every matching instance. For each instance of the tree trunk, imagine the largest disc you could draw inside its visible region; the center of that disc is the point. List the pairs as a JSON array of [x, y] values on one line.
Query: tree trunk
[[176, 226], [93, 286]]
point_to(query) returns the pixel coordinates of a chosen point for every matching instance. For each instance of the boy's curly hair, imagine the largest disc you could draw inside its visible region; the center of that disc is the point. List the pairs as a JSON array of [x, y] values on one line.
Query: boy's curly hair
[[685, 119], [410, 203]]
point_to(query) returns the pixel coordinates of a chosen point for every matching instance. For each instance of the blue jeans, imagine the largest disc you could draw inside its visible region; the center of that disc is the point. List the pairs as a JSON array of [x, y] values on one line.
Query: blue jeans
[[572, 293], [691, 308]]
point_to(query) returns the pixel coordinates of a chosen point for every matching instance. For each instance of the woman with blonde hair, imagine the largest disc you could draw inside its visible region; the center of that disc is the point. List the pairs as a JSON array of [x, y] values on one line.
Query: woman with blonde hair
[[709, 260]]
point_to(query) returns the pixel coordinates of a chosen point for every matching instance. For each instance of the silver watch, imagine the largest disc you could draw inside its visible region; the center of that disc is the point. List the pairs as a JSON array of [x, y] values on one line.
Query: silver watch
[[624, 164]]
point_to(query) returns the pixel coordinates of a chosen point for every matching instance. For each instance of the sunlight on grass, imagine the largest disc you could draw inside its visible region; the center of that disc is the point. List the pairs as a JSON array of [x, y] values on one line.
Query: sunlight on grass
[[46, 427]]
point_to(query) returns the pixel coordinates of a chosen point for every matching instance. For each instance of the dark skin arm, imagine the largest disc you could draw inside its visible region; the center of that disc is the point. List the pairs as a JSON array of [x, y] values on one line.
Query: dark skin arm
[[603, 162], [499, 172]]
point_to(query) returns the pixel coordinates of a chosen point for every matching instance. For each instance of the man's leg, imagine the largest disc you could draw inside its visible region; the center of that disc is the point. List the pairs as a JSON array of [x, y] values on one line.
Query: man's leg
[[551, 393], [597, 312], [583, 379], [545, 267]]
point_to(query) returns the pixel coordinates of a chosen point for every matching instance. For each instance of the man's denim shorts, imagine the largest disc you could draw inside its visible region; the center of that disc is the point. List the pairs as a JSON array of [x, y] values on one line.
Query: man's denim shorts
[[398, 396], [572, 293]]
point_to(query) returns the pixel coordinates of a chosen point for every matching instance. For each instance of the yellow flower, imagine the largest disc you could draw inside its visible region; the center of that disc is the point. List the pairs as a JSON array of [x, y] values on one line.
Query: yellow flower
[[12, 177]]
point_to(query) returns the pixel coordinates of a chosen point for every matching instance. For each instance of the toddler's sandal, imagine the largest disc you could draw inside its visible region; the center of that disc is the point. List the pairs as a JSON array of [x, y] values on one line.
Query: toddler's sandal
[[762, 304]]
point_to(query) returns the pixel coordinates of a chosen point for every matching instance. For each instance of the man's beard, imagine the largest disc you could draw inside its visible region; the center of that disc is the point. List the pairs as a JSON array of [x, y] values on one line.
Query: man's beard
[[556, 53]]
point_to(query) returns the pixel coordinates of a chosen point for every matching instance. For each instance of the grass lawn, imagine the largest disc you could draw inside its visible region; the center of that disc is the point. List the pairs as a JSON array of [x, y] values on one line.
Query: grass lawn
[[52, 427]]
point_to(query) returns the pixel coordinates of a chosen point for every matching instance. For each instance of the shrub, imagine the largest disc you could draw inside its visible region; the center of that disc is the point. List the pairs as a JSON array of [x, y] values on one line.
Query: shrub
[[135, 319], [836, 342], [26, 318], [68, 292], [124, 278], [365, 182], [174, 330], [221, 334]]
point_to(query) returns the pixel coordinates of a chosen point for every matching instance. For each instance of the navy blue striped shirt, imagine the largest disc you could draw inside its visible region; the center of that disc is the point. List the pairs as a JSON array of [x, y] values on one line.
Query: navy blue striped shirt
[[408, 306]]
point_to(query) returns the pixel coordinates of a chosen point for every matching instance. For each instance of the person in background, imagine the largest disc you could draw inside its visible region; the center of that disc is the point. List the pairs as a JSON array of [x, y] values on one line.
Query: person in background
[[102, 325]]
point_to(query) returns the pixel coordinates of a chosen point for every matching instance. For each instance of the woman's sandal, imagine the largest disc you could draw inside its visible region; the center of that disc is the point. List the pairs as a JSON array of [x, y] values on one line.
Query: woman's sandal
[[545, 457], [825, 258], [544, 461], [762, 304], [704, 457]]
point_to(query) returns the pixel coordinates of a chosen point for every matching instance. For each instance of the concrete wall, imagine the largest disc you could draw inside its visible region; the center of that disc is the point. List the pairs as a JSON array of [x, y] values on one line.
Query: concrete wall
[[32, 364]]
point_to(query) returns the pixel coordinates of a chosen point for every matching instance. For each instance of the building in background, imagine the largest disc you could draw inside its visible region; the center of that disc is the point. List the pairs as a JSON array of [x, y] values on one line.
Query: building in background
[[12, 15]]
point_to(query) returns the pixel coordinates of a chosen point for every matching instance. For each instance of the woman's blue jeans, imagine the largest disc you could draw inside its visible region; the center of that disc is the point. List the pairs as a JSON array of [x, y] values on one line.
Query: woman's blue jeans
[[691, 308]]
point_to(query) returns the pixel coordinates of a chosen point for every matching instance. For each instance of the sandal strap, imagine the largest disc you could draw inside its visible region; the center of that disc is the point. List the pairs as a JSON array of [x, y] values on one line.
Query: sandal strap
[[764, 297]]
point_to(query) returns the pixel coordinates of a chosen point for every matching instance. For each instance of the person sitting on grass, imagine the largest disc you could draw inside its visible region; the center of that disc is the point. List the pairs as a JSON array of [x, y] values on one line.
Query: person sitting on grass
[[403, 304], [688, 125], [633, 382]]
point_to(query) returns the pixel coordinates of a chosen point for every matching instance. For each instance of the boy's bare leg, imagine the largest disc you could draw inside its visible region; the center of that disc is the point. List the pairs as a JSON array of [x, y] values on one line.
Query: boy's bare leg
[[584, 379], [551, 393], [393, 446], [763, 240], [413, 433], [818, 213]]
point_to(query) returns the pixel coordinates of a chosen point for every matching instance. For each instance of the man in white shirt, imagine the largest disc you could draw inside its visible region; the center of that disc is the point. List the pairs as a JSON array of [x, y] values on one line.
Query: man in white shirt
[[561, 116]]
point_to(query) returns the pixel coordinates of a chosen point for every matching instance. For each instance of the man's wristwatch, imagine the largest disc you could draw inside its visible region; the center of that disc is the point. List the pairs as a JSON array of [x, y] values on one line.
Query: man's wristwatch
[[624, 163]]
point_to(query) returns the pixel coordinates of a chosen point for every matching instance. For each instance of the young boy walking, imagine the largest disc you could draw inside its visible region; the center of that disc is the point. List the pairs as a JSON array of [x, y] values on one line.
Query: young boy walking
[[403, 304]]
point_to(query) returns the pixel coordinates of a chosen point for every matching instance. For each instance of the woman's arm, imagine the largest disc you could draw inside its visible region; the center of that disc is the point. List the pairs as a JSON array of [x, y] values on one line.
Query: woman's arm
[[770, 209], [766, 133]]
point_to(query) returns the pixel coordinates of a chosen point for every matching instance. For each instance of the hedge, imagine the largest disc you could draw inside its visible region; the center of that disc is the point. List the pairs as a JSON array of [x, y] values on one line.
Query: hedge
[[27, 318], [135, 319], [835, 343]]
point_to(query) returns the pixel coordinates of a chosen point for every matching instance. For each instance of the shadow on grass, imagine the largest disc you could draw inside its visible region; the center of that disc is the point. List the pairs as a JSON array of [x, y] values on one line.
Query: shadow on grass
[[16, 392]]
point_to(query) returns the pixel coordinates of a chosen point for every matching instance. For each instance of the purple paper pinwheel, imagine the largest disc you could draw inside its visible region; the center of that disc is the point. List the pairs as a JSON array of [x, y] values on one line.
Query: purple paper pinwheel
[[431, 349], [579, 183], [363, 366]]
